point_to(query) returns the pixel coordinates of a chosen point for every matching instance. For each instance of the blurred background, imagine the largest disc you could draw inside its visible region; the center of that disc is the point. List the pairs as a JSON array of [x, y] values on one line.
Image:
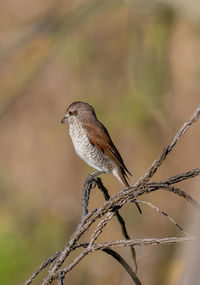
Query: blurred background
[[138, 64]]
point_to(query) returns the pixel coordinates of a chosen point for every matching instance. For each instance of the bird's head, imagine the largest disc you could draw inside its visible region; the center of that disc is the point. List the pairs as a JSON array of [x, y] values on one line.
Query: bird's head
[[78, 111]]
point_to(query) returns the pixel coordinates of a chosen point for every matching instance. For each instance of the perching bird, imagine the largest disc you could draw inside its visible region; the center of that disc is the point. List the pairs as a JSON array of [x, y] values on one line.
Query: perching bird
[[92, 142]]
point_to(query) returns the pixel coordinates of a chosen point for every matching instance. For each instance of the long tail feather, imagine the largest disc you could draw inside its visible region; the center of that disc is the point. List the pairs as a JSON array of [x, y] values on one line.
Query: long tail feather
[[122, 178]]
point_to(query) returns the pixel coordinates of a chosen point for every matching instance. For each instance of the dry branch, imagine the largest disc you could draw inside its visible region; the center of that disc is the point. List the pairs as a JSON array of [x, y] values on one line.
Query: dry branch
[[164, 214], [139, 242], [111, 206], [119, 218]]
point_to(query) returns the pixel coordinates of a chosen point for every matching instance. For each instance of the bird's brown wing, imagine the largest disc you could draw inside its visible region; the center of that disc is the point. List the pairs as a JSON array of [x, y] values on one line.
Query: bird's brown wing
[[100, 138]]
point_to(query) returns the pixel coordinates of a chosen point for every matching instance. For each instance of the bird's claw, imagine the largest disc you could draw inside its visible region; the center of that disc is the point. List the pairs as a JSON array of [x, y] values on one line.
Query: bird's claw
[[90, 180]]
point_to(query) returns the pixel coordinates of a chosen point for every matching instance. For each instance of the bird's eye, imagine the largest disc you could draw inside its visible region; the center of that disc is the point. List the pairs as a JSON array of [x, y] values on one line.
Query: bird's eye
[[70, 113]]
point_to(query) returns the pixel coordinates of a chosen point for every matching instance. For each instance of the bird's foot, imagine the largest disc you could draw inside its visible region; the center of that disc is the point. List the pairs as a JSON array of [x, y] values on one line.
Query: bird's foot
[[89, 182], [91, 179]]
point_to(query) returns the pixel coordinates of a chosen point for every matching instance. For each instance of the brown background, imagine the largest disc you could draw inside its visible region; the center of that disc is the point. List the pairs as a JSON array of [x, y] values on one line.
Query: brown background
[[137, 63]]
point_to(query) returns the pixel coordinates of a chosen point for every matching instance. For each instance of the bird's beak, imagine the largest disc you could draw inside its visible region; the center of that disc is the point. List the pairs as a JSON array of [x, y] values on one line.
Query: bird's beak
[[64, 120]]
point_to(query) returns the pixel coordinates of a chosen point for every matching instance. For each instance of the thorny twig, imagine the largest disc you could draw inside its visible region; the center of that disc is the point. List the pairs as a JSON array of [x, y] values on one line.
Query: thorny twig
[[142, 186]]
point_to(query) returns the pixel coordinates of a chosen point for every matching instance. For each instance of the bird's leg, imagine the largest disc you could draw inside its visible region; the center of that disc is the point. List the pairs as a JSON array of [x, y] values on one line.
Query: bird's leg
[[95, 173], [91, 177]]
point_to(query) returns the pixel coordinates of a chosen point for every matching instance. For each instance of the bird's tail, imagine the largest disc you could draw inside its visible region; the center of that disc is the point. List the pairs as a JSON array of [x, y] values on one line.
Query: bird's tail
[[122, 177]]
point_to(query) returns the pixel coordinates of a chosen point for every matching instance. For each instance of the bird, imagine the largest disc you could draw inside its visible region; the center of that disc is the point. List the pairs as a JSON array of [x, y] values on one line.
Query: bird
[[93, 143]]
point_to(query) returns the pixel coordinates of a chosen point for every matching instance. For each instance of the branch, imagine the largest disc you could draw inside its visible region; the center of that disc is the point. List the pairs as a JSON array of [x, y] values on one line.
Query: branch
[[119, 243], [142, 242], [164, 214], [142, 186], [119, 218], [105, 246], [181, 177], [124, 264], [152, 170], [155, 186], [47, 262]]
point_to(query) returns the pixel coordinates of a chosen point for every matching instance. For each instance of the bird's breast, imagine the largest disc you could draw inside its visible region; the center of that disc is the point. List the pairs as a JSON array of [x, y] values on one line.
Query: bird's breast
[[79, 139], [88, 152]]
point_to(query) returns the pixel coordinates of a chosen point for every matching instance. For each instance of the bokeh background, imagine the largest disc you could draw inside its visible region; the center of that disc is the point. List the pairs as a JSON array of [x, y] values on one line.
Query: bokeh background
[[137, 63]]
